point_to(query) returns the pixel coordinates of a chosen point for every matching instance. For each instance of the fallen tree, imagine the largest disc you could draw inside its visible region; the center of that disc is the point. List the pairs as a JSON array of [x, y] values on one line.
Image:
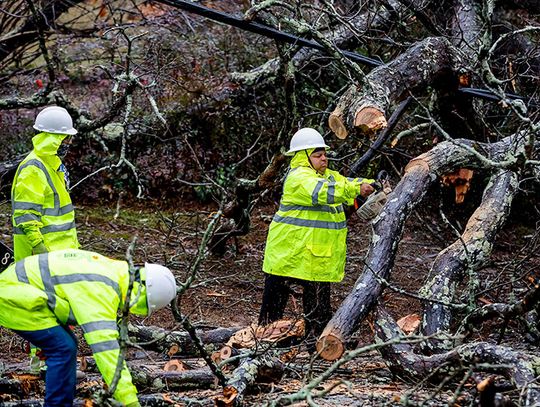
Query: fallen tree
[[178, 343], [420, 173], [517, 366]]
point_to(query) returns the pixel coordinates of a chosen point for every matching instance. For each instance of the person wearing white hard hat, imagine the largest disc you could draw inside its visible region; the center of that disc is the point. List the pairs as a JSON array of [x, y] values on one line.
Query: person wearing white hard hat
[[42, 212], [306, 243], [43, 217], [42, 294]]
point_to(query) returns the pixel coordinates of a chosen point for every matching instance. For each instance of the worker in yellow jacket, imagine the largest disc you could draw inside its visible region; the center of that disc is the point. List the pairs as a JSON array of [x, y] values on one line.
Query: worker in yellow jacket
[[43, 216], [41, 294], [306, 242]]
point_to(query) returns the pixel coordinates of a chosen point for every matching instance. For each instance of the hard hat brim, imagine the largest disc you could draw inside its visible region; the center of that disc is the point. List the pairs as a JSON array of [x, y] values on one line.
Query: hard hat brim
[[292, 151]]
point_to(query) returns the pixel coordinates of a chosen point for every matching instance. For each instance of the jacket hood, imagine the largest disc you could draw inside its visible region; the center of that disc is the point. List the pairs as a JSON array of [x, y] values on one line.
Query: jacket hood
[[47, 143], [301, 159]]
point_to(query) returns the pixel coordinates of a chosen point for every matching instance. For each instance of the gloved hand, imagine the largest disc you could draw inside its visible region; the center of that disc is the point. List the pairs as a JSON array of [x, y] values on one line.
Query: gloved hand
[[134, 404], [39, 248], [366, 190]]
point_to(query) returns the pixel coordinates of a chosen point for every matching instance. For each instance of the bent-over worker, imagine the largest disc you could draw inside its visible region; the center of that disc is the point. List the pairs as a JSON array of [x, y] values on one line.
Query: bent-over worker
[[41, 294], [306, 242]]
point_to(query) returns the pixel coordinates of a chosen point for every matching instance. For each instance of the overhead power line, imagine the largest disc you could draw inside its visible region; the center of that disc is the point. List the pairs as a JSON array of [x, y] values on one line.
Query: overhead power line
[[281, 36]]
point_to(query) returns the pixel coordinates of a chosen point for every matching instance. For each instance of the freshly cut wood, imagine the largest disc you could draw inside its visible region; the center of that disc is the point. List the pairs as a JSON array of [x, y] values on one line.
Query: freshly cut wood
[[364, 108], [281, 333], [369, 120], [174, 365], [409, 323], [335, 122], [460, 180]]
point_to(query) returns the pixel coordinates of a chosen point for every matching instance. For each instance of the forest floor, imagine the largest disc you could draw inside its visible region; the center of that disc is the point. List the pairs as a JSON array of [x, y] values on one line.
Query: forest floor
[[228, 291]]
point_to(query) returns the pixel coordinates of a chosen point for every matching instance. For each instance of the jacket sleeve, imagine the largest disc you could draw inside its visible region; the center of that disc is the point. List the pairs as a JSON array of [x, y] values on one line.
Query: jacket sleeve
[[27, 200], [101, 334], [309, 189]]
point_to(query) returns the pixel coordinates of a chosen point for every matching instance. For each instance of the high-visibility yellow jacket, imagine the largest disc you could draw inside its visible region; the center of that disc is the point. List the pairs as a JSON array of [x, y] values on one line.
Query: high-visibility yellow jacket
[[41, 205], [73, 287], [307, 236]]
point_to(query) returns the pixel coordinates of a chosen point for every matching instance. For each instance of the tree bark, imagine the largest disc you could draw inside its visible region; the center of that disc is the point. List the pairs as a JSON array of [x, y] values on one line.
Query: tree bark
[[264, 368], [516, 366], [420, 173], [365, 109], [178, 343], [471, 252], [173, 380]]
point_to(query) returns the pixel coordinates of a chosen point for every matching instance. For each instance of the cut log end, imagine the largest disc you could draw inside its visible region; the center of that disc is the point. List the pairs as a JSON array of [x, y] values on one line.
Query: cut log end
[[174, 365], [335, 122], [228, 398], [369, 120], [330, 347]]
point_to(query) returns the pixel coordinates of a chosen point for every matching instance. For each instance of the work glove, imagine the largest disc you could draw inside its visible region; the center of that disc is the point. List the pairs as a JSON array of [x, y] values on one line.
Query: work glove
[[39, 248]]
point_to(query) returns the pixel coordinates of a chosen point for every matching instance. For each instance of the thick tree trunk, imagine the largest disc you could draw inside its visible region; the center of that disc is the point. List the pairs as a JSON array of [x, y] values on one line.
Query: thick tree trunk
[[420, 173], [516, 366], [365, 109], [471, 251]]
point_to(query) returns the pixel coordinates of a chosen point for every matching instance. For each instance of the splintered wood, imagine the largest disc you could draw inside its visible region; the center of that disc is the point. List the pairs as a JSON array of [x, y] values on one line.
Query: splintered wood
[[275, 332], [460, 180]]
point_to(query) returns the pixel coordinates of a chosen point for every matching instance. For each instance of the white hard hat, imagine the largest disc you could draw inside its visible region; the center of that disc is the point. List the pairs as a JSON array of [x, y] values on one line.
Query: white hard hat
[[160, 287], [306, 138], [54, 119]]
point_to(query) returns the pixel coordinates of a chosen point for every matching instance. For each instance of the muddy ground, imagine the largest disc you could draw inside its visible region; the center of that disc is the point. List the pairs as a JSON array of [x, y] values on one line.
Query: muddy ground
[[227, 292]]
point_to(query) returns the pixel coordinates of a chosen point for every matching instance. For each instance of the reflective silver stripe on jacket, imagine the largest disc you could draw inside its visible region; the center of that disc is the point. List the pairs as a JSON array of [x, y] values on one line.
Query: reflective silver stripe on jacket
[[319, 224], [39, 208], [330, 199], [20, 271], [43, 260], [50, 228], [331, 190], [27, 206], [316, 208], [76, 278], [315, 193], [39, 164], [104, 346], [27, 218], [99, 325]]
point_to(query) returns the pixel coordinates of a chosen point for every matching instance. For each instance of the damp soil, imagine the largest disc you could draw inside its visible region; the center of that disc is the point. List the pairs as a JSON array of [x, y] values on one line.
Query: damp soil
[[227, 292]]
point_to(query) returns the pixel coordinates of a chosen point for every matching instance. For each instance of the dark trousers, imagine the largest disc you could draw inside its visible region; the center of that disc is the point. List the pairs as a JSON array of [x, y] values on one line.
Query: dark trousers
[[59, 346], [315, 302]]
